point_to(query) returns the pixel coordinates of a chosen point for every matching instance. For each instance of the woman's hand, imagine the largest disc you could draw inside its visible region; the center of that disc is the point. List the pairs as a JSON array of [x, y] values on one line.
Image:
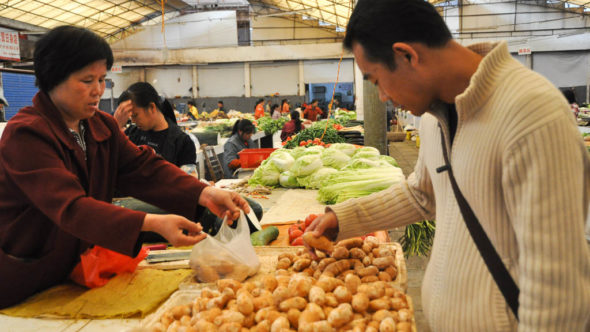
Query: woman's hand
[[223, 203], [123, 113], [326, 225], [171, 227]]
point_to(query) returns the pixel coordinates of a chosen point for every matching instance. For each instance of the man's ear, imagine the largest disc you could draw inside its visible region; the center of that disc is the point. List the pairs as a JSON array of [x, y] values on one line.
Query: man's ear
[[405, 52]]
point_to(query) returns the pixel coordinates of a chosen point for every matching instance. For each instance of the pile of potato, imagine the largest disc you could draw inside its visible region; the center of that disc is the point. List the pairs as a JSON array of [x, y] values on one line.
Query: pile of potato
[[349, 290]]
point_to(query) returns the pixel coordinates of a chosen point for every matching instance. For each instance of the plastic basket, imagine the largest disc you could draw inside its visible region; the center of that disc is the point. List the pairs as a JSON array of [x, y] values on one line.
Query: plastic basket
[[252, 158]]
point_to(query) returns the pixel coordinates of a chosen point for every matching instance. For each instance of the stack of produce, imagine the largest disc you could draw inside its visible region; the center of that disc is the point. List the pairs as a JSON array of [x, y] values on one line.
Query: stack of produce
[[315, 132], [223, 127], [239, 115], [340, 171], [269, 125], [349, 290], [344, 114]]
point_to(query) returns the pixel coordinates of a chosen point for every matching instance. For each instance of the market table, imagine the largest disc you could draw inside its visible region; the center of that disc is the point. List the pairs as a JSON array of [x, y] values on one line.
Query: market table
[[9, 323]]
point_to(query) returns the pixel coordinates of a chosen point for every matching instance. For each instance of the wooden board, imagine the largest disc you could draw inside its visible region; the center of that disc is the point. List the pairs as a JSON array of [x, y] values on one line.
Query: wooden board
[[294, 204]]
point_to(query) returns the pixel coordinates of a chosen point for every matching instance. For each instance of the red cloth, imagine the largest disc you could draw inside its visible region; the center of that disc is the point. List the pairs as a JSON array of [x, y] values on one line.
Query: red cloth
[[259, 112], [54, 204], [312, 112], [288, 130]]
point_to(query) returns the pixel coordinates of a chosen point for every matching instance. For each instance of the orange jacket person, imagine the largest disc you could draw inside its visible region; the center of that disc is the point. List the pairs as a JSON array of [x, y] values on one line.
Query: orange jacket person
[[312, 111], [259, 112]]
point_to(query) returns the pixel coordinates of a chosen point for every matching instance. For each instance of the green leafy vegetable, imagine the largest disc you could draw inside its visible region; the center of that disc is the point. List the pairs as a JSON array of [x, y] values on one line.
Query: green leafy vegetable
[[353, 183], [306, 165], [334, 158]]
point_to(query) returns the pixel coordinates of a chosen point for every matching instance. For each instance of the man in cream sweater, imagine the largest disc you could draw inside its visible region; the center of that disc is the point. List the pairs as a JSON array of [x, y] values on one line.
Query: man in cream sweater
[[516, 155]]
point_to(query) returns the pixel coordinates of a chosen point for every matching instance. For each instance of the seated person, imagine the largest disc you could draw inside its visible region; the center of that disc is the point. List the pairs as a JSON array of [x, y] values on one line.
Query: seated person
[[276, 113], [220, 106], [312, 111], [292, 127], [239, 140], [193, 112], [155, 124]]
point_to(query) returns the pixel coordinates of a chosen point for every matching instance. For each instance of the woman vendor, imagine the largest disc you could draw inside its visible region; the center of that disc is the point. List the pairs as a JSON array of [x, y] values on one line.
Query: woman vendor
[[155, 124], [239, 140], [61, 160]]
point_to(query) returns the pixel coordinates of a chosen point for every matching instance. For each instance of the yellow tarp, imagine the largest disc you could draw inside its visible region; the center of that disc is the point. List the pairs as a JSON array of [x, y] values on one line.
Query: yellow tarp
[[126, 295]]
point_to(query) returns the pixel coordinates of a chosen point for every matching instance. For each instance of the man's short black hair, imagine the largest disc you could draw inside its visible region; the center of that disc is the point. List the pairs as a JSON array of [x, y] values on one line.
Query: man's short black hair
[[64, 50], [377, 24]]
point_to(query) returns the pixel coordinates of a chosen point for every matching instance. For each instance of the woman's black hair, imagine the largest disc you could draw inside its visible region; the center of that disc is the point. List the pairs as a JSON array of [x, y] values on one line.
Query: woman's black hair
[[273, 107], [244, 126], [378, 24], [296, 117], [142, 94], [259, 101], [283, 102], [64, 50], [570, 95]]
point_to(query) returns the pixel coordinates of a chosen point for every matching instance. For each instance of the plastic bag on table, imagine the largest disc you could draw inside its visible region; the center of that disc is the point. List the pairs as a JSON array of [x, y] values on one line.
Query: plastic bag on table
[[98, 265], [228, 254]]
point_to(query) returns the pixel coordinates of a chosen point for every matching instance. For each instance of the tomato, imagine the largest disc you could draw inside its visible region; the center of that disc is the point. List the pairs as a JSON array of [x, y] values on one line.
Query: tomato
[[298, 241], [309, 141], [310, 219], [295, 234], [284, 143], [303, 143], [288, 138], [292, 228]]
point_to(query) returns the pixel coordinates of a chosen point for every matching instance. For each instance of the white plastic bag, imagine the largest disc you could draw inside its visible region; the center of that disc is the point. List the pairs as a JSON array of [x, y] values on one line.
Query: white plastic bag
[[229, 254]]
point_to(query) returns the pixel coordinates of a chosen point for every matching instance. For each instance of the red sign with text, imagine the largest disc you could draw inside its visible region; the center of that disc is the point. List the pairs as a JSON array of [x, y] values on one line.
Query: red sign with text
[[9, 46]]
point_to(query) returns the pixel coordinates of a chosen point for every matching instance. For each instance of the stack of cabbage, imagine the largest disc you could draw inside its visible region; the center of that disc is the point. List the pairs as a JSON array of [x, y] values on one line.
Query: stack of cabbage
[[340, 172]]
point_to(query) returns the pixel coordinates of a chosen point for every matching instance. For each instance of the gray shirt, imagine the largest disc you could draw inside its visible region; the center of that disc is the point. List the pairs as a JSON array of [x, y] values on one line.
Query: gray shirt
[[230, 152]]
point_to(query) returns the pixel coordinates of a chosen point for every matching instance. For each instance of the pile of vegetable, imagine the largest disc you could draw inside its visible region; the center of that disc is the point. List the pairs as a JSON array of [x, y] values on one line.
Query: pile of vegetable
[[349, 289], [344, 114], [310, 134], [341, 170], [223, 127], [270, 126], [296, 230]]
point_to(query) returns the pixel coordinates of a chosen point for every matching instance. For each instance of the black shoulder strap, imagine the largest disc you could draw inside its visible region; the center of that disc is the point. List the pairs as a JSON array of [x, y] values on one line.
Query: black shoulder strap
[[489, 254]]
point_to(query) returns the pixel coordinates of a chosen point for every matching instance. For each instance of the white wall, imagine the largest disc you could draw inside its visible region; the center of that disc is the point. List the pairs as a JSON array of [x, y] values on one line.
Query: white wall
[[496, 19], [281, 77], [324, 71], [173, 81], [281, 30], [563, 69], [205, 29], [221, 80], [123, 80]]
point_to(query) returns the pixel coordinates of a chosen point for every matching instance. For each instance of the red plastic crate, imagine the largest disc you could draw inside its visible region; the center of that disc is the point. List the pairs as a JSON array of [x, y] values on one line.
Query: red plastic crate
[[252, 158]]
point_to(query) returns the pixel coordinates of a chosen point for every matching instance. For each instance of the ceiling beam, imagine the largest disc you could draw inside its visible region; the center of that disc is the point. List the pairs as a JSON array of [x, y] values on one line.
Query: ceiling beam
[[21, 26]]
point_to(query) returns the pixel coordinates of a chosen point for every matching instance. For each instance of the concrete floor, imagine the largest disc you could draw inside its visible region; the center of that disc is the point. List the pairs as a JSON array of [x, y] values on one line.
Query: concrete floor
[[406, 154]]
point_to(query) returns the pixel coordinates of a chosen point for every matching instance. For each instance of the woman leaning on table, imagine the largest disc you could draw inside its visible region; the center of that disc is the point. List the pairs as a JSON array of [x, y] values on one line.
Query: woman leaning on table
[[60, 162]]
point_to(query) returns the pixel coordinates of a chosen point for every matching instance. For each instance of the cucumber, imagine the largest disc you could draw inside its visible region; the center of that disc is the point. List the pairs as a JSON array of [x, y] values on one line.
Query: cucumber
[[265, 236]]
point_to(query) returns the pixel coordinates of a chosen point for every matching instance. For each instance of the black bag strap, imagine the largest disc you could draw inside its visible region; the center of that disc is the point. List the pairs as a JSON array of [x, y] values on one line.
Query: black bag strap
[[489, 254]]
